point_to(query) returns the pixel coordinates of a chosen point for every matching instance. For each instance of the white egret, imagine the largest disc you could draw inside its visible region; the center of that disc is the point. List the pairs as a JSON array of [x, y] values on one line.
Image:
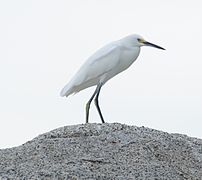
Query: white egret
[[104, 64]]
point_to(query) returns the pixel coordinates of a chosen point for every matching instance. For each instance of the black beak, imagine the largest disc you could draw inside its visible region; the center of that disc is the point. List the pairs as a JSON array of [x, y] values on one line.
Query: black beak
[[153, 45]]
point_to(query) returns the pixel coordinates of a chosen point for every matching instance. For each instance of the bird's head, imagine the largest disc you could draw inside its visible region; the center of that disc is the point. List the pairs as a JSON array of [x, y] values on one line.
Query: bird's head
[[139, 41]]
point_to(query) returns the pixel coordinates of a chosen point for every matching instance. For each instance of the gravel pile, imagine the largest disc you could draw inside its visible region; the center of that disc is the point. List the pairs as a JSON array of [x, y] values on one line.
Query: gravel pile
[[104, 151]]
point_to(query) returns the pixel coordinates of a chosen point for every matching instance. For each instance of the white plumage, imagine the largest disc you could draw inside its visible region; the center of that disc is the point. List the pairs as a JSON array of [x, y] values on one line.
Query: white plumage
[[102, 65], [105, 64]]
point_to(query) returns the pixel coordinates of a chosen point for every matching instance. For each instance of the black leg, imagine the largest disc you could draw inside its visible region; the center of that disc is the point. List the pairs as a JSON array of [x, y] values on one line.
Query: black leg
[[96, 102], [88, 105]]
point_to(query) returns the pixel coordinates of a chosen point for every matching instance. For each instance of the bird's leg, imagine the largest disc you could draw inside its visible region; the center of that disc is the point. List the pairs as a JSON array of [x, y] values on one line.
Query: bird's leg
[[96, 102], [88, 105]]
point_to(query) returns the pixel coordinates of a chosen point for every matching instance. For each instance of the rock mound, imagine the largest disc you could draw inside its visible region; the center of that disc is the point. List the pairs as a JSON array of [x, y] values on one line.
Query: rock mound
[[104, 151]]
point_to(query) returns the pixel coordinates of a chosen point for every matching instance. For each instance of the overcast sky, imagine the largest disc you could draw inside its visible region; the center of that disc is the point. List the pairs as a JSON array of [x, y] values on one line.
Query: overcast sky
[[44, 42]]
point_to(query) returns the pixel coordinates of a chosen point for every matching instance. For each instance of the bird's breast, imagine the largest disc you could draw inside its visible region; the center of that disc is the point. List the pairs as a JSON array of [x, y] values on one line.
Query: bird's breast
[[127, 57]]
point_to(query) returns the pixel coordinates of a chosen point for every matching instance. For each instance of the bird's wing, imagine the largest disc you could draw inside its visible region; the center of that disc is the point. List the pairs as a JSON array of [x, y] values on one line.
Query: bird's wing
[[101, 62]]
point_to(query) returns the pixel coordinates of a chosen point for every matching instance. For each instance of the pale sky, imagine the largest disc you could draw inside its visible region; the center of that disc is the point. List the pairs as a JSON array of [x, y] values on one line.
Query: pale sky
[[44, 42]]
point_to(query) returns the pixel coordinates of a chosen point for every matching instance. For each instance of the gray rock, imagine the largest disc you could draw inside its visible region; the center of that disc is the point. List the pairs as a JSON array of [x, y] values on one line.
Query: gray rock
[[104, 151]]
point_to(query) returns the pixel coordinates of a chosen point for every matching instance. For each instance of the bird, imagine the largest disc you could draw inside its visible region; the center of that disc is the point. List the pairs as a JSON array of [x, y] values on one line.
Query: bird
[[103, 65]]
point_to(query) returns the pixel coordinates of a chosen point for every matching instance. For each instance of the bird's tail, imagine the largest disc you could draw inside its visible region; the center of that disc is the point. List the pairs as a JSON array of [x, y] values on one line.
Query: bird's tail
[[66, 91]]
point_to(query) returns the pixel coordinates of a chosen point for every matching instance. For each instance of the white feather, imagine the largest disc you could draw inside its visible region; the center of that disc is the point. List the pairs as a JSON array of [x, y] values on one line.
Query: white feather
[[103, 65]]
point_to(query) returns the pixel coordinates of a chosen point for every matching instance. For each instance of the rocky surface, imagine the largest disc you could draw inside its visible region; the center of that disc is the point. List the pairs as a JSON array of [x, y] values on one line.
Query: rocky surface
[[104, 151]]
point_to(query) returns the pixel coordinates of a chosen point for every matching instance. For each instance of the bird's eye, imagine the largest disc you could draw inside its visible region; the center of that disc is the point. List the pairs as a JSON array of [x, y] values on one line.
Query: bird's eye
[[139, 40]]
